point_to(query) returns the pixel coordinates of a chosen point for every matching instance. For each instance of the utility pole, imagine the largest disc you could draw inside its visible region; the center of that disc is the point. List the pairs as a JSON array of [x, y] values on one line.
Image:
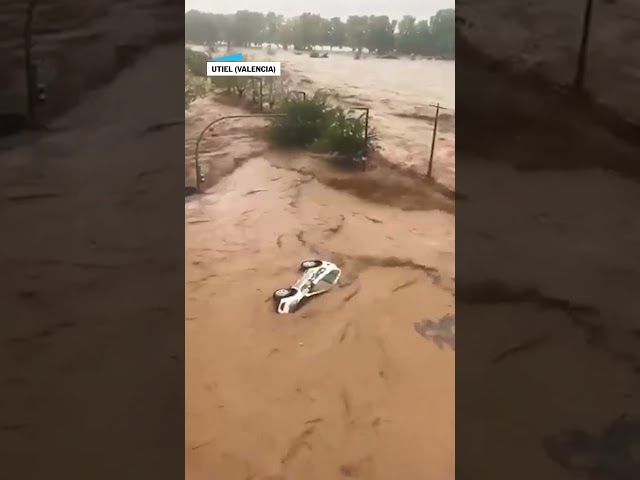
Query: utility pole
[[578, 83], [433, 138]]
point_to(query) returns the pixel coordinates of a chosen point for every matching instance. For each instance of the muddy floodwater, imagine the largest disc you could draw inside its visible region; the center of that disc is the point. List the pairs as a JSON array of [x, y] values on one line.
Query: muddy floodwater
[[346, 387], [400, 94]]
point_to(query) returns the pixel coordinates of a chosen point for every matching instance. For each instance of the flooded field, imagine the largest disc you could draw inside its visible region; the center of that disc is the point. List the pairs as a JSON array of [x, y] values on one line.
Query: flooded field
[[400, 94], [347, 386]]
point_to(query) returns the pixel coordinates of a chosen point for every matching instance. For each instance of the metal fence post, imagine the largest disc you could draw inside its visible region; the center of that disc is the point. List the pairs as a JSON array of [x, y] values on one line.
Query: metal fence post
[[304, 94], [433, 138], [366, 130], [199, 175]]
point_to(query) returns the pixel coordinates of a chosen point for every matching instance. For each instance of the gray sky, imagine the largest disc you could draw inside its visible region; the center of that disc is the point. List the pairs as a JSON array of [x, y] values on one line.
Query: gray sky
[[327, 8]]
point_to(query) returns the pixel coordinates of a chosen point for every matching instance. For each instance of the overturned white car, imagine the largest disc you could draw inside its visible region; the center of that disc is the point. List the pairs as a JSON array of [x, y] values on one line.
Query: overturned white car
[[316, 277]]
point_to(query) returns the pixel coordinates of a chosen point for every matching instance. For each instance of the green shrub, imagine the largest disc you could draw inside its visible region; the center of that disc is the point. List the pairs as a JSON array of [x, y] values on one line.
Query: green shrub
[[304, 122], [314, 123], [237, 85], [194, 87], [196, 62], [195, 76], [274, 89], [345, 135]]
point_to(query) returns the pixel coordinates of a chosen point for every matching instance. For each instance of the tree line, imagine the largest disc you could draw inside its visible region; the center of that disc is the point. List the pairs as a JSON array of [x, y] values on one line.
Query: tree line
[[376, 33]]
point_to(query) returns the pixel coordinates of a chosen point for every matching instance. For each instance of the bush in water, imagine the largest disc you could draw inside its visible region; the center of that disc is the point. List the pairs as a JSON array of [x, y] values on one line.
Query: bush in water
[[195, 76], [314, 123], [274, 89], [304, 122], [196, 62], [236, 85], [345, 135], [194, 88]]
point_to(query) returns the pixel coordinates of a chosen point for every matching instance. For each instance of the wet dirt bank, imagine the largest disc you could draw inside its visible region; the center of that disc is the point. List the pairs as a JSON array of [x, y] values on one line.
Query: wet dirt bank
[[345, 387]]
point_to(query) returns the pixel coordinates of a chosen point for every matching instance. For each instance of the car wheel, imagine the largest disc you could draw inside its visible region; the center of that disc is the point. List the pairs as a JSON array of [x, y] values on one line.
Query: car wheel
[[310, 264], [282, 293]]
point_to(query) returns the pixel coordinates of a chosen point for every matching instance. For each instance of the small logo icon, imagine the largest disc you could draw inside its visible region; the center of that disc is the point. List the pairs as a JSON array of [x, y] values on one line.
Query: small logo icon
[[236, 57]]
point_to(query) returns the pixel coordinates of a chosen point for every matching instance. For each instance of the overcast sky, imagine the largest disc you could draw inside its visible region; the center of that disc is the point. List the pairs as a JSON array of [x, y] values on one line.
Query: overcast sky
[[327, 8]]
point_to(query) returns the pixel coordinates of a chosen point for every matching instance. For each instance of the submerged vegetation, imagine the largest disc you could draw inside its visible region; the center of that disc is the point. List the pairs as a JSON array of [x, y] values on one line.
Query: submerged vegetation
[[195, 76], [257, 93], [314, 123]]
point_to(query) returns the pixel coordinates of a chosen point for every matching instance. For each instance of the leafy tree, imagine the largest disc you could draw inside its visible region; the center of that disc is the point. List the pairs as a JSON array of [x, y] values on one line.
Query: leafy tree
[[442, 27], [287, 33], [337, 33], [423, 39], [356, 29], [202, 28], [407, 41], [324, 36], [246, 28], [309, 30], [435, 36], [380, 34], [195, 62], [273, 25]]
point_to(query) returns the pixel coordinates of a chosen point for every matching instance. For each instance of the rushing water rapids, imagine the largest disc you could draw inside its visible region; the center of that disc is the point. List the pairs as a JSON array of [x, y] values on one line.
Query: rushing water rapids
[[346, 386], [400, 94]]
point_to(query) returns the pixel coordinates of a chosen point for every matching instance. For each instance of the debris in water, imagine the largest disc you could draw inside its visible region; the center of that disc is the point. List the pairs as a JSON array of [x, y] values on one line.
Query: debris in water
[[405, 285], [253, 192], [441, 332]]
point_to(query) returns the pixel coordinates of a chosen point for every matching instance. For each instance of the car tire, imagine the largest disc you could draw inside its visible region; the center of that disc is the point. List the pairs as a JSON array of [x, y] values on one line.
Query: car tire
[[282, 293], [310, 264]]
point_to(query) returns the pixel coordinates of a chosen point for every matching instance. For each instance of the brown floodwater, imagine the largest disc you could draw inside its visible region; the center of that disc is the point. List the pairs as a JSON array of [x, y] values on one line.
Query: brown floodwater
[[345, 387], [400, 94]]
